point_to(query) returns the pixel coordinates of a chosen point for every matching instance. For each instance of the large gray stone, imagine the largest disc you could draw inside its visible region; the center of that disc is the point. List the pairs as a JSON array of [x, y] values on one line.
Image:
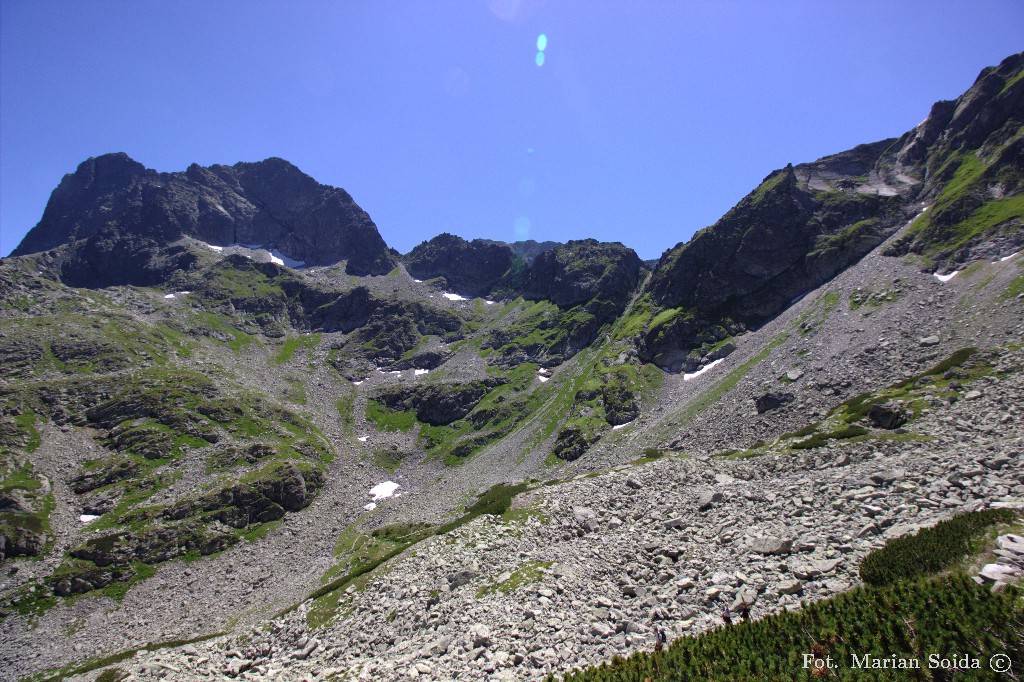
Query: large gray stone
[[770, 545], [706, 500]]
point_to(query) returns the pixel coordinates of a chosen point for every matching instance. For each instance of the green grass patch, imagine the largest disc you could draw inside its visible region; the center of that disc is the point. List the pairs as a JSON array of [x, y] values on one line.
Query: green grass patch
[[21, 478], [256, 532], [528, 573], [118, 589], [363, 554], [821, 439], [811, 319], [293, 344], [26, 422], [214, 327], [496, 501], [1014, 290], [963, 210], [389, 420], [405, 531], [75, 669], [649, 455], [713, 394]]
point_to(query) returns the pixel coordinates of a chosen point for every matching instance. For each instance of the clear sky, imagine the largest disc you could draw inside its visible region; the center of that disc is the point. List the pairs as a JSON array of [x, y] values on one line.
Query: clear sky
[[646, 121]]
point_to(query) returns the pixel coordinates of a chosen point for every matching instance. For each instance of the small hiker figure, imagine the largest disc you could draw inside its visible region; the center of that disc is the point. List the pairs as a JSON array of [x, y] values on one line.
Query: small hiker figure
[[745, 612], [727, 615], [659, 640]]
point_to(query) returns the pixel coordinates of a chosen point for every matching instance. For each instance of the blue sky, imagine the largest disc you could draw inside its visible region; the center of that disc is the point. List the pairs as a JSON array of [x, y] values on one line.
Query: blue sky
[[642, 125]]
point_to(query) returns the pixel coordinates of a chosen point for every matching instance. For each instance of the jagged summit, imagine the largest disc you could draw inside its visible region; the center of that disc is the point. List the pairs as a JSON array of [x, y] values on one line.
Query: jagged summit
[[804, 224], [113, 204]]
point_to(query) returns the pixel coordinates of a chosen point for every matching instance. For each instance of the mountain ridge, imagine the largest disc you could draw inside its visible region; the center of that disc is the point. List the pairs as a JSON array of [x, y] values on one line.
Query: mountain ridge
[[583, 449]]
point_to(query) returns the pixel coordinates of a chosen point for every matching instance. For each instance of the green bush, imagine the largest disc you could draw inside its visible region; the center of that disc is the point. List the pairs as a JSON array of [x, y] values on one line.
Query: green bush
[[929, 550], [910, 619]]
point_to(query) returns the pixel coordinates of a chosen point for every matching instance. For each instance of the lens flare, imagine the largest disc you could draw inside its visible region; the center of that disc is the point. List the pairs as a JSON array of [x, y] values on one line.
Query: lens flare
[[522, 227], [540, 59], [542, 42]]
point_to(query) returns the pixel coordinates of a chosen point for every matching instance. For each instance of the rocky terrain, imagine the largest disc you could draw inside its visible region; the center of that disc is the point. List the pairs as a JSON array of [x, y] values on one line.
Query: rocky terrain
[[241, 437]]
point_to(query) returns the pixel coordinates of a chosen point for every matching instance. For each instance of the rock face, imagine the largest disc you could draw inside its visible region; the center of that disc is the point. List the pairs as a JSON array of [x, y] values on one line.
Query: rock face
[[806, 223], [583, 270], [975, 140], [437, 404], [783, 239], [117, 211], [473, 268]]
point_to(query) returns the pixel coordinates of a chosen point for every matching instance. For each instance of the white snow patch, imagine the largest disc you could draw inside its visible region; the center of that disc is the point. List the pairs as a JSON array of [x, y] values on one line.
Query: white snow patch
[[421, 371], [455, 297], [363, 439], [488, 302], [621, 426], [384, 490], [281, 259], [358, 383], [542, 378], [370, 507], [1004, 258], [168, 295], [86, 518], [694, 375], [274, 255], [945, 278], [418, 281]]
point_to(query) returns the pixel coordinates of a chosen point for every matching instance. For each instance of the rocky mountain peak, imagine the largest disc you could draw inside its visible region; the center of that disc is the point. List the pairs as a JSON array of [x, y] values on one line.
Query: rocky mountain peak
[[582, 270], [115, 200], [473, 268]]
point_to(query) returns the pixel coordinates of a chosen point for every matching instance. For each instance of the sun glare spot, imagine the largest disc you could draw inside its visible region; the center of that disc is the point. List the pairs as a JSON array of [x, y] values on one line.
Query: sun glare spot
[[522, 227], [540, 59], [542, 42]]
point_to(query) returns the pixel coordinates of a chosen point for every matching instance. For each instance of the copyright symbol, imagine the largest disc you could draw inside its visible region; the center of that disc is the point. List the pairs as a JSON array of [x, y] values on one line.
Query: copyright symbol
[[1000, 663]]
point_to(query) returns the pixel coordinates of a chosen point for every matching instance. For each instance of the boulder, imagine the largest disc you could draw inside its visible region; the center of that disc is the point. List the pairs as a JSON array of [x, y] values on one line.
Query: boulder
[[790, 587], [772, 401], [888, 476], [887, 415], [770, 545], [460, 578], [746, 595], [998, 573], [707, 499]]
